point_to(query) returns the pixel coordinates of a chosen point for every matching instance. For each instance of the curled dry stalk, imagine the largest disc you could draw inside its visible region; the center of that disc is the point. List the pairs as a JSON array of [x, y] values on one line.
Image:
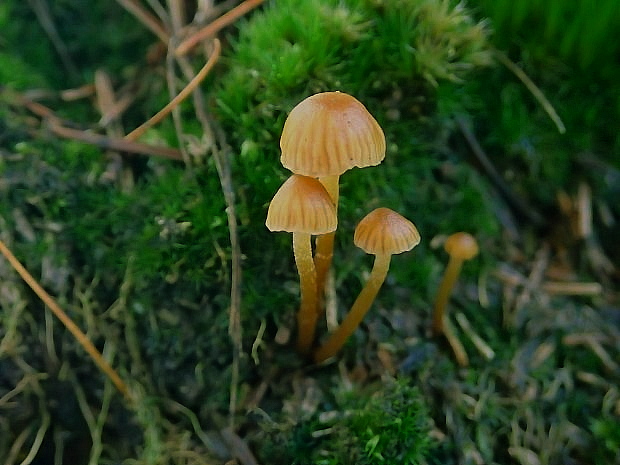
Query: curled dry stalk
[[182, 95]]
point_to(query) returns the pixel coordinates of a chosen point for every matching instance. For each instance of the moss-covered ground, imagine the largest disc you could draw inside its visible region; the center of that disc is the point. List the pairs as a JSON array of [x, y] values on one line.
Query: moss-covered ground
[[501, 119]]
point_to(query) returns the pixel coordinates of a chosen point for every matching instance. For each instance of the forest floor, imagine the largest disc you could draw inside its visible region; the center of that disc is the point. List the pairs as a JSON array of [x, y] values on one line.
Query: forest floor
[[500, 120]]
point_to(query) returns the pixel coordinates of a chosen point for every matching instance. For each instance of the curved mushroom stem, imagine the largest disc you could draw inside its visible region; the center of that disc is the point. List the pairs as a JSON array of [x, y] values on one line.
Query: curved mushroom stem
[[358, 310], [307, 315], [443, 294], [325, 244]]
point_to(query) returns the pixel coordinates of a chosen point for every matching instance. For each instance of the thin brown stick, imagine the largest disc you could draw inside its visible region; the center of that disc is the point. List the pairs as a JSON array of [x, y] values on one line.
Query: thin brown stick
[[176, 11], [217, 25], [518, 204], [221, 157], [189, 88], [58, 127], [82, 339], [146, 18], [110, 143]]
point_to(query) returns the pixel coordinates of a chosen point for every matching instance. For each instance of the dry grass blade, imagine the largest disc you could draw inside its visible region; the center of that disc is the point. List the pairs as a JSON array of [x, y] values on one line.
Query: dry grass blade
[[485, 350], [457, 347], [107, 105], [58, 127], [213, 28], [115, 144], [533, 88], [568, 288], [191, 86], [103, 365], [146, 18], [38, 439], [239, 448]]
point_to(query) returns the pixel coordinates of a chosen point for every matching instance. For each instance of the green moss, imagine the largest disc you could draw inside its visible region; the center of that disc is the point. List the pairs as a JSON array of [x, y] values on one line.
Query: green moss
[[386, 427], [397, 57], [606, 430]]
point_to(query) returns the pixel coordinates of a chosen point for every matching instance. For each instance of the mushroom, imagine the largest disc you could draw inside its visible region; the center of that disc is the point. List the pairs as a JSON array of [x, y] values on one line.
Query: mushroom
[[323, 136], [382, 232], [303, 207], [460, 246]]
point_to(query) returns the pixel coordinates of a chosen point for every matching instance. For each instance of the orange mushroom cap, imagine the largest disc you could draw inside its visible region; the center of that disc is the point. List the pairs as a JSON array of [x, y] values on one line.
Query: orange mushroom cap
[[328, 133], [302, 205], [461, 245], [383, 231]]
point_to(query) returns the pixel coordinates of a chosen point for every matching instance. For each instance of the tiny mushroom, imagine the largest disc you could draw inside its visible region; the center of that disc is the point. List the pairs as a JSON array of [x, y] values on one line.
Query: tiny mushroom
[[303, 207], [383, 233], [323, 136], [460, 246]]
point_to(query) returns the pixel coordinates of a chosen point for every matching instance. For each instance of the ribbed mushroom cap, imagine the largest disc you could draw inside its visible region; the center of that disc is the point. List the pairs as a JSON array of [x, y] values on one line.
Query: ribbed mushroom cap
[[302, 205], [461, 245], [383, 231], [329, 133]]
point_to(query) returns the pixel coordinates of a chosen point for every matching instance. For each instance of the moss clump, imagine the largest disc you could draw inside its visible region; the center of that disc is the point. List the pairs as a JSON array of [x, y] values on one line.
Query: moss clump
[[401, 59], [294, 48], [391, 425]]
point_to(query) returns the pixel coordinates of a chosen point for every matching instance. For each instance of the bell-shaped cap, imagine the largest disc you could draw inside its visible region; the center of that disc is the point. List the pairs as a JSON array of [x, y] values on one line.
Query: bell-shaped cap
[[461, 245], [302, 205], [383, 231], [329, 133]]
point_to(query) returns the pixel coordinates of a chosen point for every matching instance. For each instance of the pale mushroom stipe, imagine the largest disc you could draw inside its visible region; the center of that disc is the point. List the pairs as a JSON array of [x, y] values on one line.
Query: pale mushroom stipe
[[460, 246], [383, 233], [303, 207]]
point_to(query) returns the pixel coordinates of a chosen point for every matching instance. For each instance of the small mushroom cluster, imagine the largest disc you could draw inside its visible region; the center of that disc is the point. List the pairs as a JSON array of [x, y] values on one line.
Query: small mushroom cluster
[[324, 136]]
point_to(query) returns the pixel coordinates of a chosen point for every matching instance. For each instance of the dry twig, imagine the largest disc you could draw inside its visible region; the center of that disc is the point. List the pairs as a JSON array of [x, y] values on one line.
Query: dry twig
[[114, 144], [214, 27], [146, 18]]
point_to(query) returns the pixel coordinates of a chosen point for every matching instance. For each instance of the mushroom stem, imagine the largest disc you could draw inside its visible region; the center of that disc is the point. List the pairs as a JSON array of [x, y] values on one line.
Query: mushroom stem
[[325, 244], [443, 294], [358, 310], [307, 315], [331, 185]]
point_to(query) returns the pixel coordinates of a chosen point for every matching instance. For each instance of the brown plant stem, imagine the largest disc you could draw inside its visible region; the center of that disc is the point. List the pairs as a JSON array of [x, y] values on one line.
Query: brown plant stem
[[307, 315], [111, 143], [443, 294]]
